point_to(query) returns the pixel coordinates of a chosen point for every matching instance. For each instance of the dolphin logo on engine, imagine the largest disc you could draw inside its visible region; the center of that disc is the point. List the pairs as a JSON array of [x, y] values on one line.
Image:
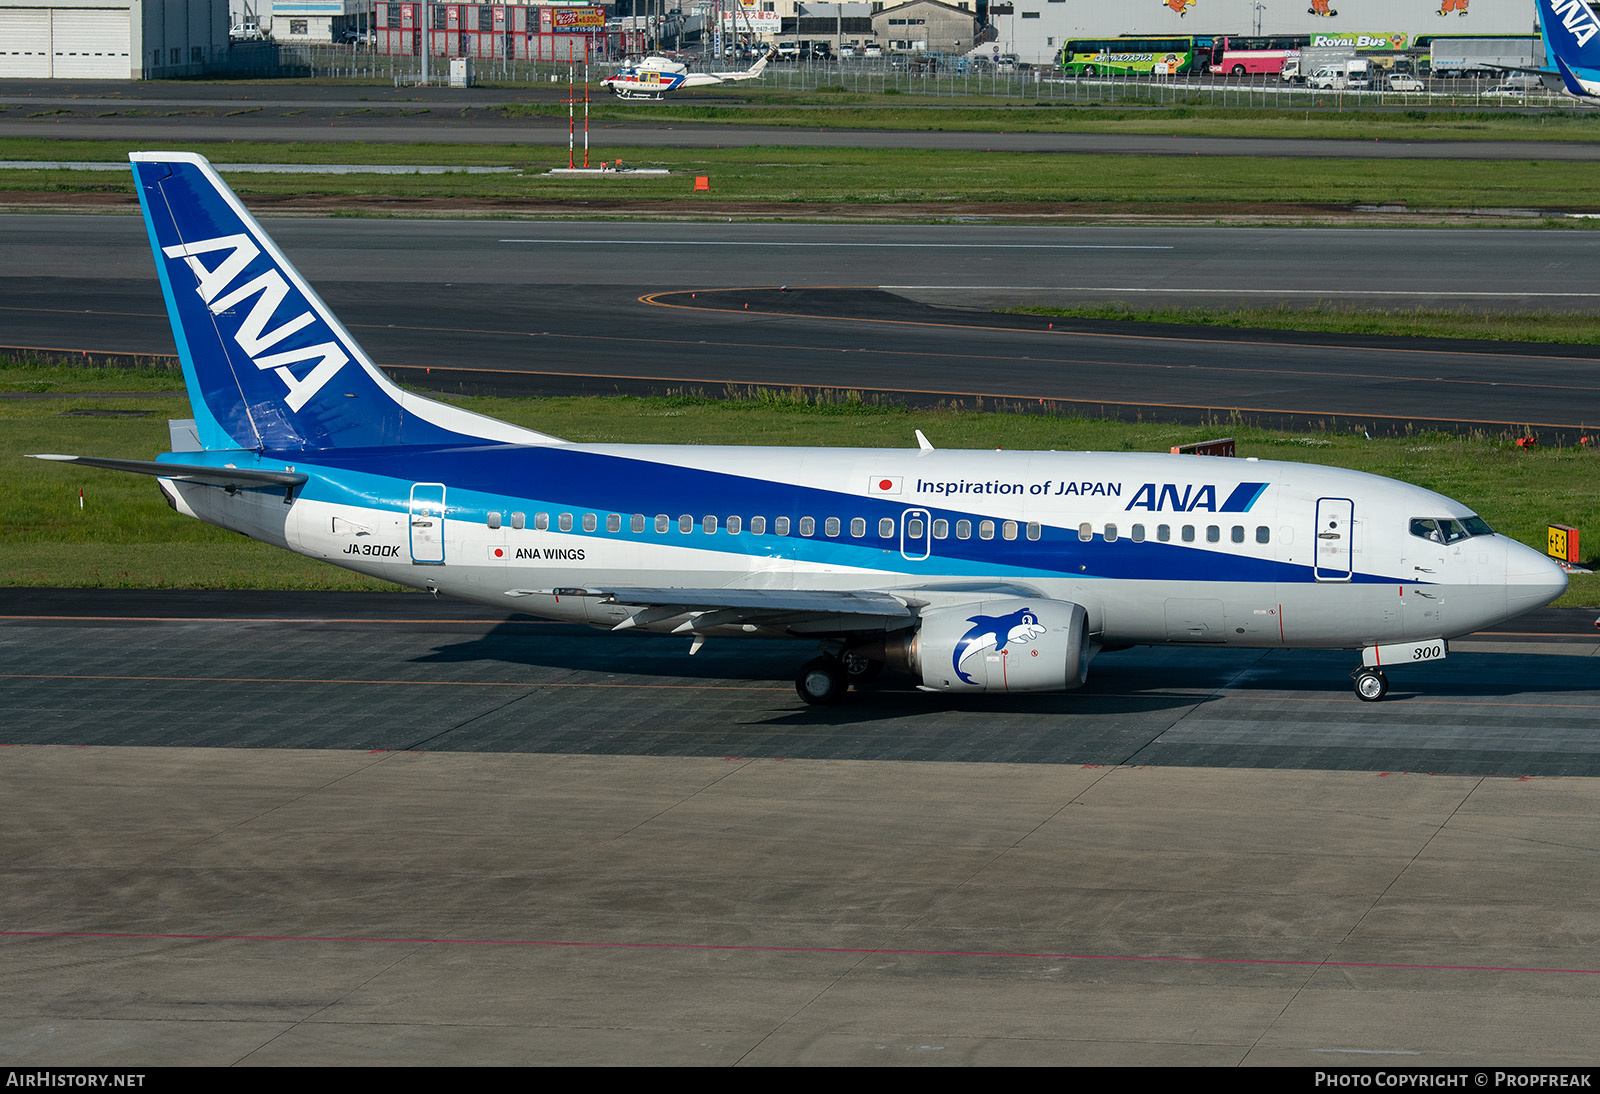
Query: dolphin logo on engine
[[995, 631]]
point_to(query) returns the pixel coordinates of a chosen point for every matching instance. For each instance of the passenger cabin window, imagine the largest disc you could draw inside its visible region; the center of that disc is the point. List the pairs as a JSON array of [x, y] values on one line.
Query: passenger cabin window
[[1238, 533], [1111, 533], [758, 526], [590, 523], [613, 522], [1035, 529], [541, 522], [708, 524], [638, 522], [662, 522], [518, 520], [941, 529], [494, 519], [886, 528], [734, 524], [1008, 530], [685, 524], [1263, 534], [1085, 532], [858, 526], [566, 522], [963, 529], [780, 526], [1136, 533], [1188, 533], [1213, 534], [986, 529], [1164, 533], [831, 527], [808, 527], [914, 528]]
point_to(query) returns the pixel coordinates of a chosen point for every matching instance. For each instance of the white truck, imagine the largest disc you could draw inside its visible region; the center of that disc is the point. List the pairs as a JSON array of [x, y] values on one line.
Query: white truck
[[1456, 57], [1352, 75], [1299, 64]]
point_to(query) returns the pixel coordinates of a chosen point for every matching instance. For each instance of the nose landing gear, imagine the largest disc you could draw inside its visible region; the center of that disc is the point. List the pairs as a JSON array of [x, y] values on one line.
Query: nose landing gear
[[1371, 685]]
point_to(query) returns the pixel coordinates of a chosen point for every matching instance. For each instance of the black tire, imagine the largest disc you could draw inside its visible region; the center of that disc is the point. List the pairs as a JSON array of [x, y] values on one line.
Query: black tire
[[1238, 70], [1371, 685], [1090, 70], [859, 670], [822, 682]]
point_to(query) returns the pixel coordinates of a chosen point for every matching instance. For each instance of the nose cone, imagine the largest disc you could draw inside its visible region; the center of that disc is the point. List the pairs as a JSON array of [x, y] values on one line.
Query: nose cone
[[1532, 580]]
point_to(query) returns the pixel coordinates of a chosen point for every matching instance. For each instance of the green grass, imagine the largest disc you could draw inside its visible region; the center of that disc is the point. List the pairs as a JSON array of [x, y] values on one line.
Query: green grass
[[912, 112], [846, 177], [1573, 328], [125, 536]]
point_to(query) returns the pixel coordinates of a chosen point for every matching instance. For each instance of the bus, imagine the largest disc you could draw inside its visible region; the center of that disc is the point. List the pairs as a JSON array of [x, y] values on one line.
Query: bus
[[1135, 56], [1237, 55]]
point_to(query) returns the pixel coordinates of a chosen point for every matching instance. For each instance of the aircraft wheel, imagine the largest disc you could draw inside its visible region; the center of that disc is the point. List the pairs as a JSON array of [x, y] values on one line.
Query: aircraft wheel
[[860, 670], [1371, 685], [822, 682]]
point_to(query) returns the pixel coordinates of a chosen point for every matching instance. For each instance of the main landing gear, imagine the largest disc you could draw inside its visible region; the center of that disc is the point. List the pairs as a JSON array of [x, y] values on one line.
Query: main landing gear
[[823, 681], [1371, 685]]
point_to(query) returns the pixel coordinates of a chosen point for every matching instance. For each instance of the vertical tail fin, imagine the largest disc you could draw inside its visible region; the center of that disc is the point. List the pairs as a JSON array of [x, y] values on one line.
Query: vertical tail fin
[[267, 365], [1571, 35]]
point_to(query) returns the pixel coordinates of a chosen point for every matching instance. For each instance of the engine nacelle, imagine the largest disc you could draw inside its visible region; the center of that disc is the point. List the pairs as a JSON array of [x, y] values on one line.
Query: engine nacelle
[[1004, 644]]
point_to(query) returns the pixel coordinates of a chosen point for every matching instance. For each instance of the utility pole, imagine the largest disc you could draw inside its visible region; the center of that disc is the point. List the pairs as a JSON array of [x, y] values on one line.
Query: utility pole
[[427, 38]]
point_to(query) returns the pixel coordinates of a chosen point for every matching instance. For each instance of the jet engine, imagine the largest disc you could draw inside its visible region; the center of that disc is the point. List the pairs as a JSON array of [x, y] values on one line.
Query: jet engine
[[1002, 644]]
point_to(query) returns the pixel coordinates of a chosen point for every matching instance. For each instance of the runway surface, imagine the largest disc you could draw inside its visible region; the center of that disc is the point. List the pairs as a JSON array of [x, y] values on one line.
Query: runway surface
[[190, 112], [267, 829], [516, 307]]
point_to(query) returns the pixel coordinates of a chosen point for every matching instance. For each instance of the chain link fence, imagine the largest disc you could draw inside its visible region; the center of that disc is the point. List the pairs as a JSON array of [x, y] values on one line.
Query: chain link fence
[[918, 76]]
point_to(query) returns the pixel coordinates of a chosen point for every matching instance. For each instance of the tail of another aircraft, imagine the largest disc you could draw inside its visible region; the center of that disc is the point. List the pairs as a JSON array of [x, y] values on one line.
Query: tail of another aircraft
[[1572, 44], [267, 365]]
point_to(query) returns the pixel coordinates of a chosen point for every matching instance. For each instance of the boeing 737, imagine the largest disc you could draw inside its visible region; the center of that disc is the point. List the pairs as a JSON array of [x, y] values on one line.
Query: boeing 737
[[972, 571], [655, 76]]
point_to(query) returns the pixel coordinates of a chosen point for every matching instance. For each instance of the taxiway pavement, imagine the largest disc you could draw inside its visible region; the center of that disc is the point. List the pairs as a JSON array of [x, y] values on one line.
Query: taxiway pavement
[[270, 829]]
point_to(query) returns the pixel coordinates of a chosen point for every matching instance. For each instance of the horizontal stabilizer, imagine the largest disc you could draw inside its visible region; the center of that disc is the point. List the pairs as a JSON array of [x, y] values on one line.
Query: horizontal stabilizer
[[236, 477]]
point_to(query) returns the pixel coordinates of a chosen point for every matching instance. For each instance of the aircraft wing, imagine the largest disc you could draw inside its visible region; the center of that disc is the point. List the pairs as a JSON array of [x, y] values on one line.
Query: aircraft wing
[[797, 610], [237, 477], [774, 600]]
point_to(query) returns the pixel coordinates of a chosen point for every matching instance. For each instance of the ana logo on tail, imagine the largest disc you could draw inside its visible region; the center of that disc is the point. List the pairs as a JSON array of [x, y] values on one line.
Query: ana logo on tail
[[1576, 19], [270, 290]]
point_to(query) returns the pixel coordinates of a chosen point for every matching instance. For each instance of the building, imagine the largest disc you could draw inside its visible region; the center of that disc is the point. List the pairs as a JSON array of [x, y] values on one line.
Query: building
[[318, 20], [1037, 29], [111, 39], [927, 26]]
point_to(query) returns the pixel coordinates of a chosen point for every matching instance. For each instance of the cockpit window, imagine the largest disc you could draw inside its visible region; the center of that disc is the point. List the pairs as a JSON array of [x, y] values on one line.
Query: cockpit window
[[1448, 530]]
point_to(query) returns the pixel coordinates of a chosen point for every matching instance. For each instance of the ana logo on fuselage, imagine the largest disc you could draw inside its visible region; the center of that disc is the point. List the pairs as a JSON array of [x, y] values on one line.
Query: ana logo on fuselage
[[1188, 497], [252, 336]]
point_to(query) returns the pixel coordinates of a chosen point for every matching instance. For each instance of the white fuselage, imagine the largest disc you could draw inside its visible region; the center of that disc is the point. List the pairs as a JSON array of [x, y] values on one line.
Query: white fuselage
[[1157, 548]]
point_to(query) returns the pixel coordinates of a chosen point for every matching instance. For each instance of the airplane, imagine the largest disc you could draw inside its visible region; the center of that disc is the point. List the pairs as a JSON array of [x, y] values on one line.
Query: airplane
[[1570, 31], [972, 571], [655, 76]]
